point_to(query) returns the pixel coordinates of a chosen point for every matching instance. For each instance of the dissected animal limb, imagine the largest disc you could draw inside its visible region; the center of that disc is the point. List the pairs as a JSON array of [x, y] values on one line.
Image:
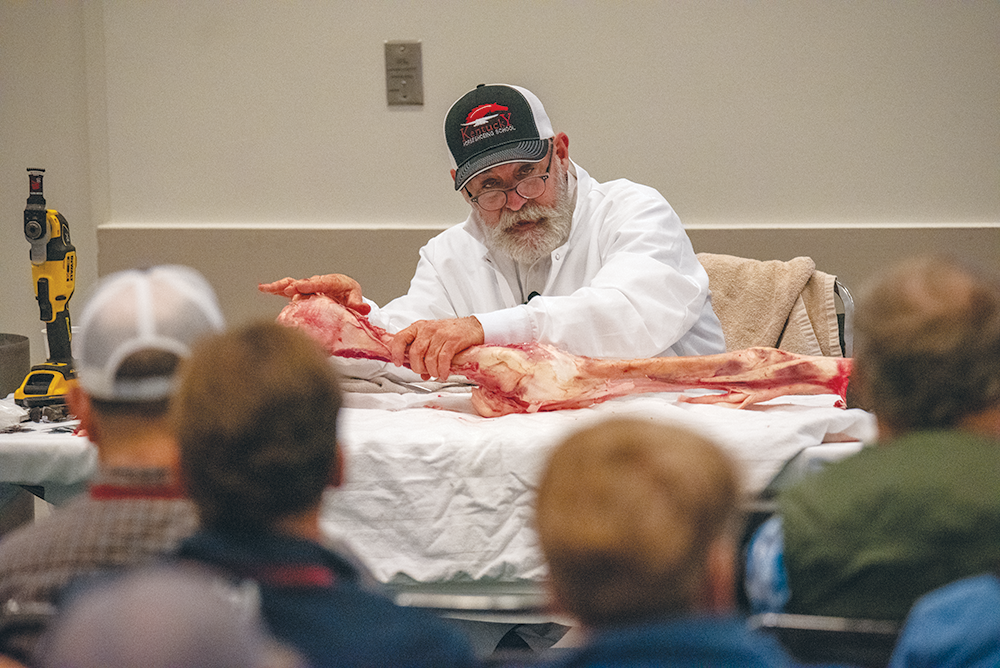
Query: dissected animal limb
[[526, 378]]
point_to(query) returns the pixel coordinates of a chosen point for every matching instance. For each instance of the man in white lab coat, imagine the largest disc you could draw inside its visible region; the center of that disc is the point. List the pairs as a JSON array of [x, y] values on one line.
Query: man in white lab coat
[[547, 254]]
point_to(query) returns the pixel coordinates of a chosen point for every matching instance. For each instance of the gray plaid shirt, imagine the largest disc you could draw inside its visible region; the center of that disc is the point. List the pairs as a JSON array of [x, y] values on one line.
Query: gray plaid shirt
[[128, 517]]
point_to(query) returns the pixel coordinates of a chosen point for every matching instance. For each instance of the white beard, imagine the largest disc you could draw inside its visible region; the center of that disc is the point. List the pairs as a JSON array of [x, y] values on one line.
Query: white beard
[[551, 230]]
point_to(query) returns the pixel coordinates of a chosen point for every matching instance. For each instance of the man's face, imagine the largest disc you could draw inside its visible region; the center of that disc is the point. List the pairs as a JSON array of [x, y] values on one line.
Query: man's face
[[524, 229]]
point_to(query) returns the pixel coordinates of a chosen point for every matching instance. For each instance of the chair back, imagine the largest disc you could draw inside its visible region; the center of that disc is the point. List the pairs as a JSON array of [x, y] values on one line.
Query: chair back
[[787, 305], [21, 624], [867, 643]]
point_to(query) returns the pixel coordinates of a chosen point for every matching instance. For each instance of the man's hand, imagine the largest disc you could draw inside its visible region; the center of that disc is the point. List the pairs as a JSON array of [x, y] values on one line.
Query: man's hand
[[342, 289], [432, 344]]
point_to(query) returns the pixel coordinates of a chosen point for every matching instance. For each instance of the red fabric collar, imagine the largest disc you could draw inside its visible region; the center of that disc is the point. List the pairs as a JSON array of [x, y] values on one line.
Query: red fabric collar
[[294, 575]]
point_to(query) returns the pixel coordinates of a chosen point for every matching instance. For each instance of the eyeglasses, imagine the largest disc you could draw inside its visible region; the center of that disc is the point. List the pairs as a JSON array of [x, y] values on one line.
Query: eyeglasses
[[529, 188]]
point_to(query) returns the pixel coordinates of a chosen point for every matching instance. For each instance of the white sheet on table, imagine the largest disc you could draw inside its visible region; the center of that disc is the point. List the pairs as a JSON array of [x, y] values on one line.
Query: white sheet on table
[[45, 454], [434, 492], [11, 414]]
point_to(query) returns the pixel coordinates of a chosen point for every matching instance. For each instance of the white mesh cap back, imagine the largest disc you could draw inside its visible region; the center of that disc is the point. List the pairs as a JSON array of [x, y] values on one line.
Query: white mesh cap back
[[164, 308]]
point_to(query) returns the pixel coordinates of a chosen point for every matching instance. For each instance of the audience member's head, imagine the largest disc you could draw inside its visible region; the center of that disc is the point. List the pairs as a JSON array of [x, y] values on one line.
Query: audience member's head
[[134, 330], [256, 420], [163, 617], [637, 521], [927, 346]]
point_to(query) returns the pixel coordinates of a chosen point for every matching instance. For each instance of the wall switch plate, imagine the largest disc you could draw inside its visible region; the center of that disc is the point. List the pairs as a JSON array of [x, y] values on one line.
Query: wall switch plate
[[404, 76]]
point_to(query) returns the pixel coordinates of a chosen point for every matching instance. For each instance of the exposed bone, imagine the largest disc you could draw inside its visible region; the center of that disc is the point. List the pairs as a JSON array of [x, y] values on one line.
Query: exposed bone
[[526, 378]]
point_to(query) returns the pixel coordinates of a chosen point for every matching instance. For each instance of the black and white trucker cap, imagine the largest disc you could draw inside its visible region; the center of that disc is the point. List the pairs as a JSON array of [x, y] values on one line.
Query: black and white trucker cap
[[492, 125]]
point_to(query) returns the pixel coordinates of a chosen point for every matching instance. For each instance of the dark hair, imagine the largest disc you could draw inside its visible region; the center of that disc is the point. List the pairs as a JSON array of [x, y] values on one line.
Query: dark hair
[[145, 363], [256, 418], [927, 344]]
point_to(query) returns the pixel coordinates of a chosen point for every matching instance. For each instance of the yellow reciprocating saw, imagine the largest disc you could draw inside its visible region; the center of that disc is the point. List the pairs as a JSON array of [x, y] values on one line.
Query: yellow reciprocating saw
[[53, 271]]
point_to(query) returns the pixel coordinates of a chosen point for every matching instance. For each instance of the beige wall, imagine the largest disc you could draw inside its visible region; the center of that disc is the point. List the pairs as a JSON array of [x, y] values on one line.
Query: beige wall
[[236, 259], [44, 122], [749, 117]]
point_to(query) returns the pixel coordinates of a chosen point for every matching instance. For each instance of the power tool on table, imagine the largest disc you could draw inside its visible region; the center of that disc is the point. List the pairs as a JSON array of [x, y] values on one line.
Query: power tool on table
[[53, 271]]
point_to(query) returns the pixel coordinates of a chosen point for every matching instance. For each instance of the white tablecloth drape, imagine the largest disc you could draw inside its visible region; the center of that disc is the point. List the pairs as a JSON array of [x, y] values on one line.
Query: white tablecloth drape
[[436, 493]]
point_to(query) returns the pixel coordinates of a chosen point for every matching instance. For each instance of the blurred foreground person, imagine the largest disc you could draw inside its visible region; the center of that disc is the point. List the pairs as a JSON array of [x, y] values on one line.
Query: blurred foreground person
[[163, 617], [639, 524], [868, 535], [954, 626], [135, 329], [257, 423]]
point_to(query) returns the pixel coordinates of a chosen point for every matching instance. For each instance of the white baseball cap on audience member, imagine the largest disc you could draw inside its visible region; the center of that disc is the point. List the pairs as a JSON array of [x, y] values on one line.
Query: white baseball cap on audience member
[[164, 308]]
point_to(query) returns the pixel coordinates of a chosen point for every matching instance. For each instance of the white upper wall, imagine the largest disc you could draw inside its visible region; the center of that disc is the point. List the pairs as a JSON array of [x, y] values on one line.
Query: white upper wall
[[738, 112]]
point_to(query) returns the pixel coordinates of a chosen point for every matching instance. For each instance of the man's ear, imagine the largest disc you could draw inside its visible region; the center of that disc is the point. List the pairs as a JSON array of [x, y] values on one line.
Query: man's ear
[[337, 470], [554, 601], [721, 572], [561, 145], [452, 172], [80, 406]]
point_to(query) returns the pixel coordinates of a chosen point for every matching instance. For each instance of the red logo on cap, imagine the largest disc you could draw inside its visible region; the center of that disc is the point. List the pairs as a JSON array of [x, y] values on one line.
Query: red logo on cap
[[483, 114]]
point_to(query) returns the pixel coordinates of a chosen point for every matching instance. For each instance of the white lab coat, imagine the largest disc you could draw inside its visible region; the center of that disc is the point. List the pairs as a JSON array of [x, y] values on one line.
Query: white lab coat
[[626, 284]]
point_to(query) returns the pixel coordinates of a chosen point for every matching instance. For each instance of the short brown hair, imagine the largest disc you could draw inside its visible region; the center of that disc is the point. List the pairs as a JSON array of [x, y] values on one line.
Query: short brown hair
[[140, 365], [626, 513], [256, 418], [927, 343]]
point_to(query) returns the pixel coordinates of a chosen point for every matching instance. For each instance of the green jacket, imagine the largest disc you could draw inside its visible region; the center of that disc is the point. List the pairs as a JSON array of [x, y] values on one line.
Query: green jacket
[[866, 536]]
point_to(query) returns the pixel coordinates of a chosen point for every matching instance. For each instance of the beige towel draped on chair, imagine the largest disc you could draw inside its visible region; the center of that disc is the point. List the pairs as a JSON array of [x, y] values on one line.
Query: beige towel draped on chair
[[787, 305]]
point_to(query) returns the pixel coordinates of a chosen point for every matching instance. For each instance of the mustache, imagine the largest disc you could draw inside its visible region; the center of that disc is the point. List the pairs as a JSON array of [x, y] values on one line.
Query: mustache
[[533, 213], [550, 227]]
